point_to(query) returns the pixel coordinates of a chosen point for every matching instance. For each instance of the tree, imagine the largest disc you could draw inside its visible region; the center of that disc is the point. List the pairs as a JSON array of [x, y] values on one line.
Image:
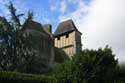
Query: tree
[[5, 44], [16, 46], [15, 18], [89, 66]]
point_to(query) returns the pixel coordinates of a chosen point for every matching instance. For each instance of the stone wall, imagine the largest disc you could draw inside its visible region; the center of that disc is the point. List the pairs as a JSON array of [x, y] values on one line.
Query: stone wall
[[43, 44]]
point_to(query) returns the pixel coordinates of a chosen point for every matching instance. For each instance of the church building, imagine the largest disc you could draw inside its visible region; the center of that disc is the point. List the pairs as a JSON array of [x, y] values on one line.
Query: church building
[[57, 47]]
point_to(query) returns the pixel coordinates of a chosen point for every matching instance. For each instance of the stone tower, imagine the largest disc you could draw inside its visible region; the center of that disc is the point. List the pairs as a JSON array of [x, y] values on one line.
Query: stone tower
[[43, 40], [68, 38]]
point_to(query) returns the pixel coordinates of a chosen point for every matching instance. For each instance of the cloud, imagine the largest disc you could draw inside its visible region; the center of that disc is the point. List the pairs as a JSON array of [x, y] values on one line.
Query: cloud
[[82, 9], [53, 8], [21, 7], [105, 24], [2, 1], [63, 7], [102, 22], [54, 5], [60, 6], [3, 9], [74, 1]]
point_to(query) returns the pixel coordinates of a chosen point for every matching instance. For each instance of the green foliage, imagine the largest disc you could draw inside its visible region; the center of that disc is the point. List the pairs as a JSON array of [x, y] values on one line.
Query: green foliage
[[16, 46], [7, 77], [89, 66], [121, 73], [14, 17], [29, 19], [5, 44]]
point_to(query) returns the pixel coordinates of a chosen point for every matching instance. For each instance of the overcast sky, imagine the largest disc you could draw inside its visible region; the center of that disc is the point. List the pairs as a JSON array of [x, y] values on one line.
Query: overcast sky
[[102, 22], [104, 25]]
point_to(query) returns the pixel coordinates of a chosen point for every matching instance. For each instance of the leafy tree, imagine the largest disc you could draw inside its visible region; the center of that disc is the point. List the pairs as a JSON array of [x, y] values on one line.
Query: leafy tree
[[15, 18], [5, 44], [89, 66], [121, 73], [16, 46]]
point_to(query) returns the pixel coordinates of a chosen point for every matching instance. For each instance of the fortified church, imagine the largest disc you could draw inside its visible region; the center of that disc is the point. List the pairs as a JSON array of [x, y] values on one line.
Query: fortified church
[[57, 46]]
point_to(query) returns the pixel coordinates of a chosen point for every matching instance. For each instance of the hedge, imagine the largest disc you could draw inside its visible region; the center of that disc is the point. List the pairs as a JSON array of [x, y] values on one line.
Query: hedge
[[7, 77]]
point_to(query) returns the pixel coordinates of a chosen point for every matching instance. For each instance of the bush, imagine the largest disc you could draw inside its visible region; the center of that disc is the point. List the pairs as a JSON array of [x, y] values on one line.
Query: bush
[[6, 77], [89, 66], [121, 73]]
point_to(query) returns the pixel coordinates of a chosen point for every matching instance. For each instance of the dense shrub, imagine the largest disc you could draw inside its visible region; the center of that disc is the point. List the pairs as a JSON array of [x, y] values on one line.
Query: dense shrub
[[7, 77], [89, 66], [121, 73]]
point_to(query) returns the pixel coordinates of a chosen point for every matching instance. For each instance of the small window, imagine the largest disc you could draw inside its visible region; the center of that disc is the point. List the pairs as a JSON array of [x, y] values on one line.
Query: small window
[[67, 35], [58, 38]]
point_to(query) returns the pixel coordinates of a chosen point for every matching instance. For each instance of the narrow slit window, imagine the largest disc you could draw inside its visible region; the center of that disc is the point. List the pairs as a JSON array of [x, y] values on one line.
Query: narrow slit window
[[58, 38], [67, 35]]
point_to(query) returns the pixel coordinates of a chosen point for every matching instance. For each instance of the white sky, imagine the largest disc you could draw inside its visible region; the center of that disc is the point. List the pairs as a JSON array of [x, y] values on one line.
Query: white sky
[[104, 24]]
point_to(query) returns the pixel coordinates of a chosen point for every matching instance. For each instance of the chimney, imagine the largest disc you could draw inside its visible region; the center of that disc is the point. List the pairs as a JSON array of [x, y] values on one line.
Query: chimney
[[48, 27]]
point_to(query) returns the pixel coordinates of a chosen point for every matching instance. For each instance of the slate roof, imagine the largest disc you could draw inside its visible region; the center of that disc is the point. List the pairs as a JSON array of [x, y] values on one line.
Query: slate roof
[[47, 28], [33, 26], [64, 27]]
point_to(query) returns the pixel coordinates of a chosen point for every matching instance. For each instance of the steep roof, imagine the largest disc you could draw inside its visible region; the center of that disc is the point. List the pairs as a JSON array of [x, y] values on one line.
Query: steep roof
[[64, 27], [47, 28], [35, 26]]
